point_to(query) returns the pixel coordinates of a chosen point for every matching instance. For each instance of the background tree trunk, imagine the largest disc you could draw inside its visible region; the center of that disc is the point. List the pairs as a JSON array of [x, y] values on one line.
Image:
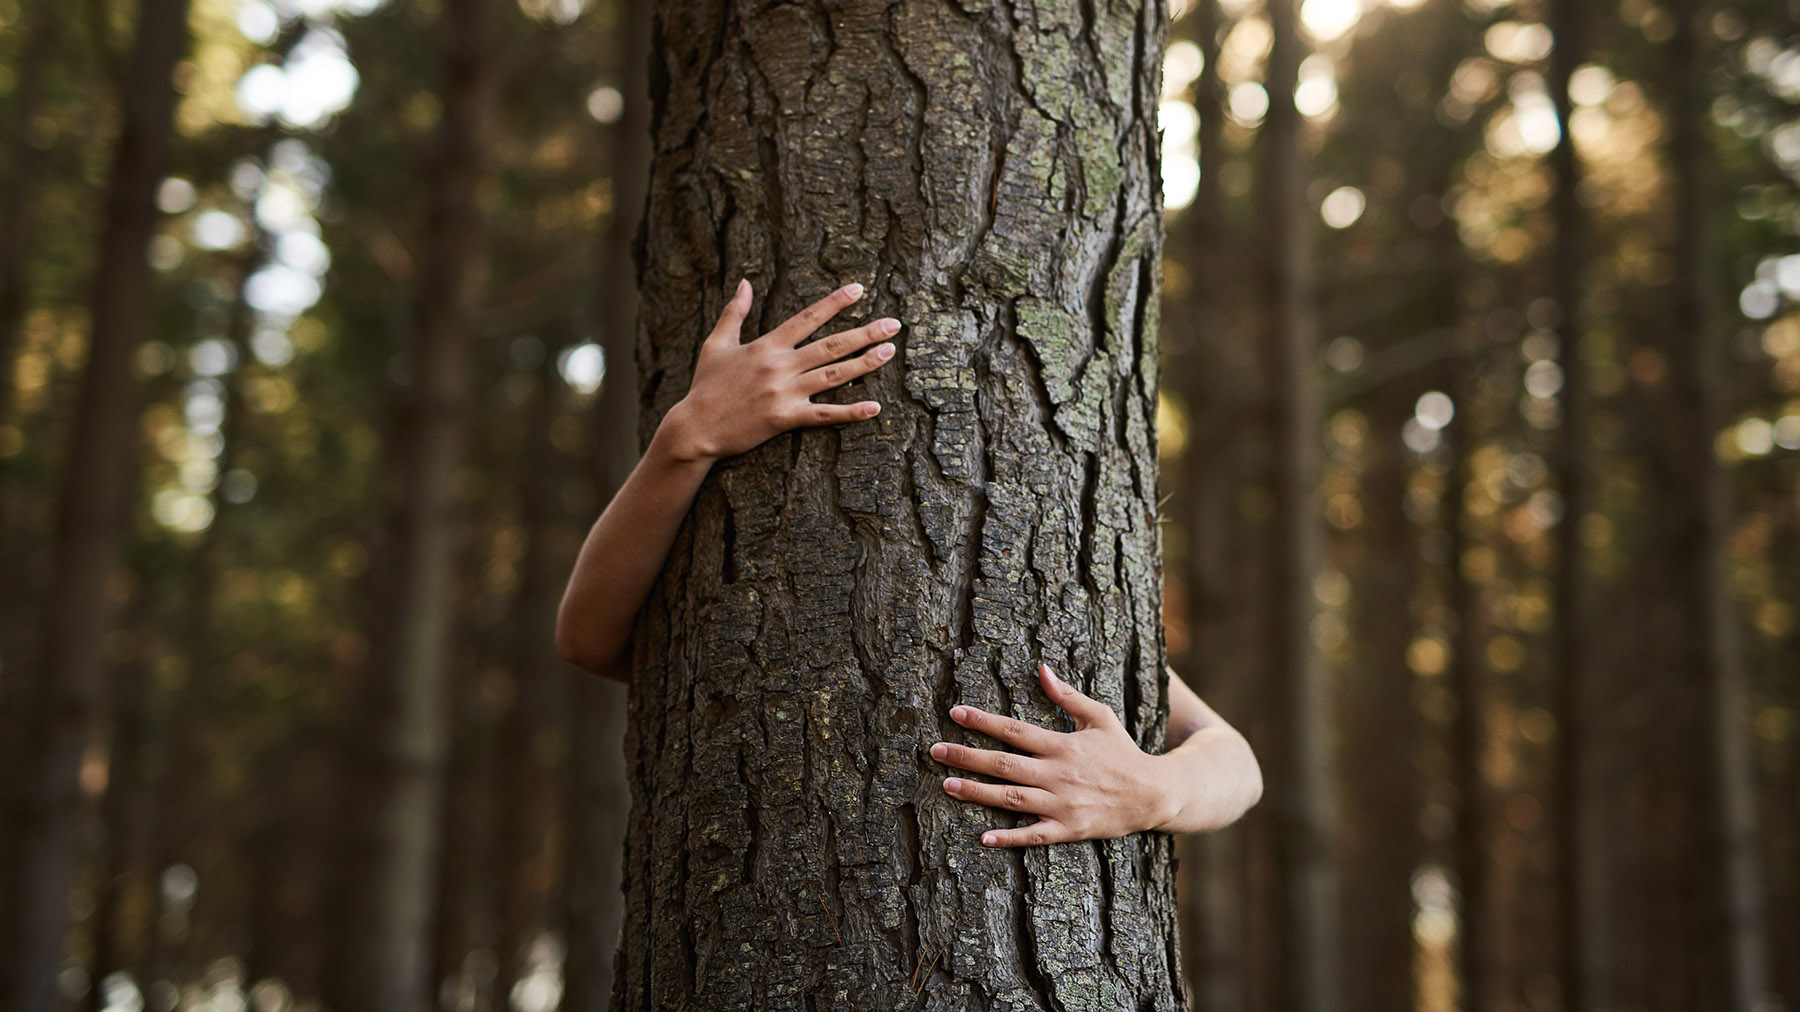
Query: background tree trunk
[[90, 523], [1221, 387], [599, 798], [1299, 764], [1725, 914], [1570, 794], [990, 173], [1381, 778], [392, 972], [42, 33]]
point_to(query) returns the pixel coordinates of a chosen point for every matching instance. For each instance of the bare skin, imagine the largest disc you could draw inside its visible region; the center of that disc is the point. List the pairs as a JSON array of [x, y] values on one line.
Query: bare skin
[[1090, 783]]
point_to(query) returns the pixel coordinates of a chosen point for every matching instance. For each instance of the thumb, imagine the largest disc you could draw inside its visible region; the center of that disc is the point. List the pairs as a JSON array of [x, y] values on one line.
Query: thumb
[[1087, 712], [735, 310]]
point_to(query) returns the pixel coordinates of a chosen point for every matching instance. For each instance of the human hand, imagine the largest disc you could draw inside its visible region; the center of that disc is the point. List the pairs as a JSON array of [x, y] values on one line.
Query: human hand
[[1093, 783], [744, 394]]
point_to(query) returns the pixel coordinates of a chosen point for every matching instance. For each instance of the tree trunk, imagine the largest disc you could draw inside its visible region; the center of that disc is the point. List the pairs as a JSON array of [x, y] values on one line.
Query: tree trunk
[[392, 972], [526, 769], [125, 806], [1299, 770], [1466, 676], [42, 31], [599, 799], [1725, 914], [1381, 733], [1571, 796], [90, 524], [990, 172]]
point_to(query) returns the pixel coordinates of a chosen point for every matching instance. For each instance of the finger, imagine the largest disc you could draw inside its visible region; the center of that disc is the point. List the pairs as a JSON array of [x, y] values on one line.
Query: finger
[[1036, 834], [795, 328], [838, 373], [1017, 733], [833, 414], [1087, 712], [1020, 799], [836, 346], [732, 319], [1005, 765]]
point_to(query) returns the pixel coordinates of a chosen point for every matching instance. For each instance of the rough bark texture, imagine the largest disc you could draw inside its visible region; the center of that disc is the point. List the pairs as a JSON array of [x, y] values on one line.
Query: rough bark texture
[[1299, 767], [90, 522], [990, 172]]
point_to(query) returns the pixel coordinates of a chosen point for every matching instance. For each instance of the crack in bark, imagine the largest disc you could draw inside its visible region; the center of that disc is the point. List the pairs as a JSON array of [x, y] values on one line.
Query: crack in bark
[[1026, 939]]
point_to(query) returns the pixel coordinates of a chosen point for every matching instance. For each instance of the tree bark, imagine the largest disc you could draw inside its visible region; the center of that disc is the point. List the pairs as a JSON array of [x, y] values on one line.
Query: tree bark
[[391, 972], [1299, 767], [990, 173], [90, 523], [1725, 914]]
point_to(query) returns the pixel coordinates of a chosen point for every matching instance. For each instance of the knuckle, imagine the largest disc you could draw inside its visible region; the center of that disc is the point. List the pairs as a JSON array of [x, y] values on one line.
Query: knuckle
[[1005, 766], [1037, 838], [821, 414], [1069, 775], [1015, 797], [834, 345], [832, 374]]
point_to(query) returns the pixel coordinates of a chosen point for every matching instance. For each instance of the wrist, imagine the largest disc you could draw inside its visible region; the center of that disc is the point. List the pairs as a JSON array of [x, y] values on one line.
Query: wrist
[[1163, 805], [676, 440]]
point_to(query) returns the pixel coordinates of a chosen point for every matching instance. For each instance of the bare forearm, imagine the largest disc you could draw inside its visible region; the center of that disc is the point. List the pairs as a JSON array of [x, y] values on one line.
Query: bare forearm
[[740, 395], [1209, 777], [622, 556], [1209, 781]]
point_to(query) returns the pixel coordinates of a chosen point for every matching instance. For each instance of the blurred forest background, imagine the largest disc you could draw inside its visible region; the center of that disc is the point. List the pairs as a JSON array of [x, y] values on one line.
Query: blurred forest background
[[1547, 290]]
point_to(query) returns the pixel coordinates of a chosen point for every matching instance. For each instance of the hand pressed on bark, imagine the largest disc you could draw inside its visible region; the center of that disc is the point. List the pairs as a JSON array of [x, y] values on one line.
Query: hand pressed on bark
[[1095, 783], [741, 395]]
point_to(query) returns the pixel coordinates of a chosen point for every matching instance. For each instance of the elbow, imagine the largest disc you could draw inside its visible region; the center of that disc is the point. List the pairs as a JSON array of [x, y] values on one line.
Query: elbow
[[1253, 781], [584, 655]]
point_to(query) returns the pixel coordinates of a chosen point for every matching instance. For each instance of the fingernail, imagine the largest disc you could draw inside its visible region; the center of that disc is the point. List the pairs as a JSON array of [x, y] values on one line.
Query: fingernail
[[958, 712], [872, 408], [990, 839], [953, 784], [890, 326], [853, 290], [1053, 679], [886, 351], [939, 750]]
